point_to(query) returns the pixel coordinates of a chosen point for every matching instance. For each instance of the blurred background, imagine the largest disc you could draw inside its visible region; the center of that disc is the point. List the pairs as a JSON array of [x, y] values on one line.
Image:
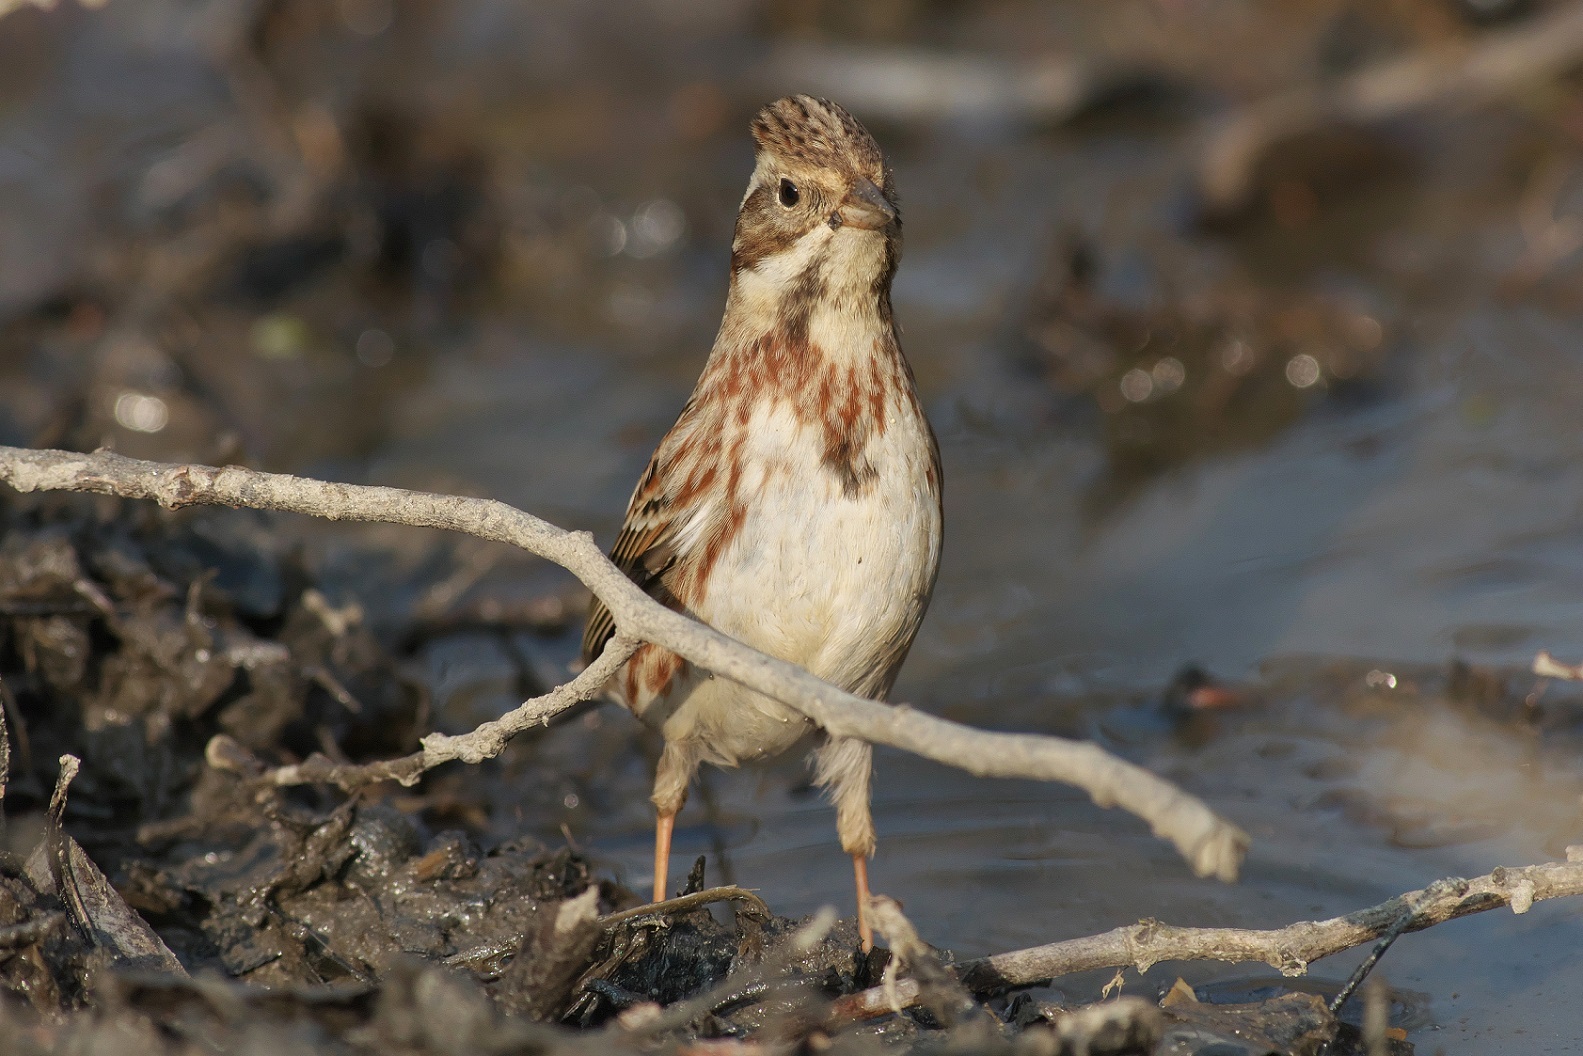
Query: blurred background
[[1250, 332]]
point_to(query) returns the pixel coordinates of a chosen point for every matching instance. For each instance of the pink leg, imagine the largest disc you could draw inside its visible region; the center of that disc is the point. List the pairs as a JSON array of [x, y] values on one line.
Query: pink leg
[[662, 852], [860, 870], [845, 768], [677, 763]]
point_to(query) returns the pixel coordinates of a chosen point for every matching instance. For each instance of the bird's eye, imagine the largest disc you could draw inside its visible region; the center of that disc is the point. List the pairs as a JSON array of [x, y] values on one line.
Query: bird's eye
[[789, 194]]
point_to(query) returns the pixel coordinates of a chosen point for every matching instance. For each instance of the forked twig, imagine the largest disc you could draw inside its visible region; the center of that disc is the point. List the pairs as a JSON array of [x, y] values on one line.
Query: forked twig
[[1211, 845], [485, 741]]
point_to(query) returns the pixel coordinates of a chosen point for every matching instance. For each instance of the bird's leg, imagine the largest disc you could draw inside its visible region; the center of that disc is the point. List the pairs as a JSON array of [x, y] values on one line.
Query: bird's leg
[[864, 931], [671, 777], [663, 827], [845, 767]]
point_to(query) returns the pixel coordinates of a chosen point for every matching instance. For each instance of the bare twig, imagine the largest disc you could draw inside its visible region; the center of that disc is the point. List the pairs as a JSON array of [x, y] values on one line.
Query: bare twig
[[484, 742], [686, 903], [1498, 63], [937, 987], [1211, 845], [1397, 929], [1290, 949]]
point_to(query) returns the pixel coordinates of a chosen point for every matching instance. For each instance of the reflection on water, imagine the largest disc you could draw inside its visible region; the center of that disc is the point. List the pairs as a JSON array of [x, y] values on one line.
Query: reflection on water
[[1344, 430]]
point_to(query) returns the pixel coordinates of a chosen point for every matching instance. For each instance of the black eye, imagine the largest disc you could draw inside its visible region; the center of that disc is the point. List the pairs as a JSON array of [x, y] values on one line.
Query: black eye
[[789, 194]]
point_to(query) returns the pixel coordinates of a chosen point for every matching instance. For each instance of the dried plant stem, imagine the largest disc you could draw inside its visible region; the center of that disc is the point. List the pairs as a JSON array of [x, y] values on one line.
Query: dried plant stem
[[1290, 949], [1211, 845]]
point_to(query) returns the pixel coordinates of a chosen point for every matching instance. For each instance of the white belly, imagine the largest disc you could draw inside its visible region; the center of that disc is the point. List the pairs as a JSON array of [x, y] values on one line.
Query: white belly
[[831, 581]]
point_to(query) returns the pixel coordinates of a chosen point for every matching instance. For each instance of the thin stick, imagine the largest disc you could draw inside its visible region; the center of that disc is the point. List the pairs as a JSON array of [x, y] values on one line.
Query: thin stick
[[1211, 845], [686, 903], [1290, 949], [488, 740], [1361, 972]]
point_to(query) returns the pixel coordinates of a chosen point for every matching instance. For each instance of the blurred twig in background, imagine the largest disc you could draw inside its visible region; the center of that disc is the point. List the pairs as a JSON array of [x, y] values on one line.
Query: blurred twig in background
[[1451, 74], [911, 85]]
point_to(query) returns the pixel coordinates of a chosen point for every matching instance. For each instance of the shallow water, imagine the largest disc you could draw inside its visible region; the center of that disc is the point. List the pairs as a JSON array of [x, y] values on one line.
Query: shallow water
[[1430, 514]]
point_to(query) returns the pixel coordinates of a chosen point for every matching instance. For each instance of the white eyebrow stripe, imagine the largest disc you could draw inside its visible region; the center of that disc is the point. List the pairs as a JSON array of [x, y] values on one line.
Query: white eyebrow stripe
[[755, 181]]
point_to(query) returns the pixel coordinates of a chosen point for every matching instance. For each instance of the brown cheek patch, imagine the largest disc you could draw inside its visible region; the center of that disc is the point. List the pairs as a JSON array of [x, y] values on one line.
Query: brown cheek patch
[[797, 303], [760, 232]]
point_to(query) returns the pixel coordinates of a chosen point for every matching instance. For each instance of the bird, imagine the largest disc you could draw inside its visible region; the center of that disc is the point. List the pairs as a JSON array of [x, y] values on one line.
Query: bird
[[796, 503]]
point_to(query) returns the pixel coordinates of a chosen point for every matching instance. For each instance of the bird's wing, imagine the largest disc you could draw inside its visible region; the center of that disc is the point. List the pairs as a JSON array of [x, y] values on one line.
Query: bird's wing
[[653, 538]]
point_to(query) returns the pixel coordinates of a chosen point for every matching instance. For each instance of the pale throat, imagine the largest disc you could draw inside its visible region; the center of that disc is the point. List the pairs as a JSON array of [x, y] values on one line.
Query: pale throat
[[827, 277]]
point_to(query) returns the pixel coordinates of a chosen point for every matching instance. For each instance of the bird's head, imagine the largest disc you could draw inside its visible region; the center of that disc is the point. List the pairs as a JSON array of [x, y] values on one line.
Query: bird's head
[[819, 218]]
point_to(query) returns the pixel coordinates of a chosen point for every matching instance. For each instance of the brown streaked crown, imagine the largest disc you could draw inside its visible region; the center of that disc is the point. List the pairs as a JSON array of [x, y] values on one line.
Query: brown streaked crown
[[819, 134]]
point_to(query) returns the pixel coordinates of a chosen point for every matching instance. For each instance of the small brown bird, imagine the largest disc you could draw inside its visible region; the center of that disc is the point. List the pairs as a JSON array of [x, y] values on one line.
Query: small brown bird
[[795, 504]]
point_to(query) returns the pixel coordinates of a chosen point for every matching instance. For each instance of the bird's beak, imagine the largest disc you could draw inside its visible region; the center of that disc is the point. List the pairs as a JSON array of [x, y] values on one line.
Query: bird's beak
[[865, 207]]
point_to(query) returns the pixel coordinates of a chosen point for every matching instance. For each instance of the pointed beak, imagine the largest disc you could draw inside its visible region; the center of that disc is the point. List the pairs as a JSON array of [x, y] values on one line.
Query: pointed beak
[[865, 207]]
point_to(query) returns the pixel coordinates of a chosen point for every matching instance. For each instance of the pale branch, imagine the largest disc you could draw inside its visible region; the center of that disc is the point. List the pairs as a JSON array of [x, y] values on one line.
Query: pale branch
[[1290, 950], [1211, 845]]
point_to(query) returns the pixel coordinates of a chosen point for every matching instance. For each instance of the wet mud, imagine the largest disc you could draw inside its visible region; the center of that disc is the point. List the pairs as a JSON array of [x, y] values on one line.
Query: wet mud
[[157, 896]]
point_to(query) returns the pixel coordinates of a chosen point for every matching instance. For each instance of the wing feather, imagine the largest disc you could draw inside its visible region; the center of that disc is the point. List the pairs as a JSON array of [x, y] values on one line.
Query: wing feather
[[653, 538]]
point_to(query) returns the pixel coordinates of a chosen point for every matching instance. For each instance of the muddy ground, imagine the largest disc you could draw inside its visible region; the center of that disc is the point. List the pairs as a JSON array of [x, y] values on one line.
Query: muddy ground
[[162, 899], [1324, 447]]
